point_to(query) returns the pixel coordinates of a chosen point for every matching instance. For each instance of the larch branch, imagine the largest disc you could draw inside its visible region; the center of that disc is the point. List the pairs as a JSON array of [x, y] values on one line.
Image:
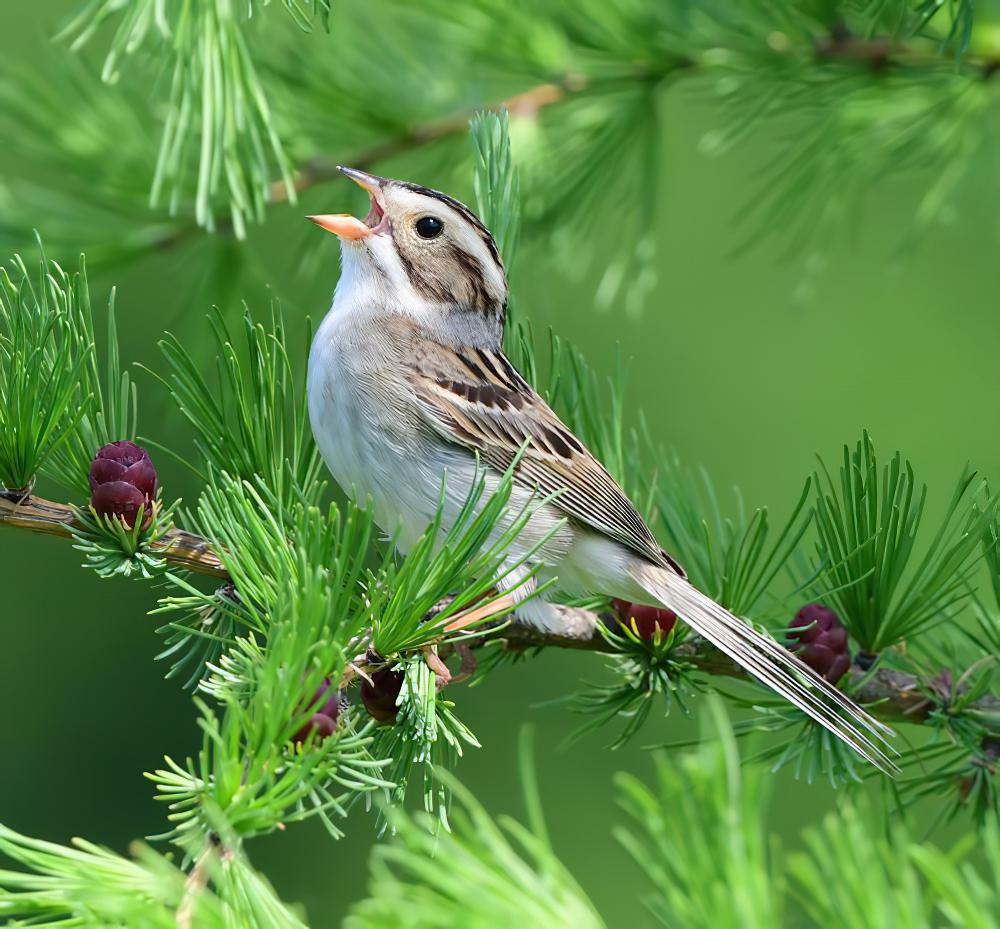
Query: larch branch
[[181, 549], [876, 52], [890, 694]]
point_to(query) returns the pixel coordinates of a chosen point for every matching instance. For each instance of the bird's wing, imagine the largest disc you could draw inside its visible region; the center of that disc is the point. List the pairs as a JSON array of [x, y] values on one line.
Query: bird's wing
[[475, 398]]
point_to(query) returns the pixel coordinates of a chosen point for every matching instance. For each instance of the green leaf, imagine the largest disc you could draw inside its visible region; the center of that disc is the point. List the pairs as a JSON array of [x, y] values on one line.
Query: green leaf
[[455, 569], [106, 395], [965, 898], [426, 739], [219, 140], [252, 419], [250, 777], [480, 875], [84, 885], [495, 180], [734, 558], [43, 351], [867, 537], [699, 837], [857, 877]]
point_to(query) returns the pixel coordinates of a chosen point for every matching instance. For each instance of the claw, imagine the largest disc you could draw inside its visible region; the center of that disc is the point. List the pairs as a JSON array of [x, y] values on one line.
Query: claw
[[469, 663], [439, 668]]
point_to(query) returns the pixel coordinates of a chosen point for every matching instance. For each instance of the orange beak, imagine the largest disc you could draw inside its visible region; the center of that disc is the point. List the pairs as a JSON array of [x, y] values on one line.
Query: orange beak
[[343, 224]]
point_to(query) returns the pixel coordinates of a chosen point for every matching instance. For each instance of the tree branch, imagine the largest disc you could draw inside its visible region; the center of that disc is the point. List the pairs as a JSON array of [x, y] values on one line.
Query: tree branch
[[877, 53], [890, 694], [179, 548], [319, 169]]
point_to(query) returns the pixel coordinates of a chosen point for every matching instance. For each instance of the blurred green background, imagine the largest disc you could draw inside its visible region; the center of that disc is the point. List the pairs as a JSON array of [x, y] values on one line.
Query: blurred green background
[[748, 362]]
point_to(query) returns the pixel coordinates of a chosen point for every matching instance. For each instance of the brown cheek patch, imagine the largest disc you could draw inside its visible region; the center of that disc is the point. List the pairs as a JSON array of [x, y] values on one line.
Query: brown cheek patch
[[465, 271], [422, 282], [453, 277], [469, 271], [462, 211]]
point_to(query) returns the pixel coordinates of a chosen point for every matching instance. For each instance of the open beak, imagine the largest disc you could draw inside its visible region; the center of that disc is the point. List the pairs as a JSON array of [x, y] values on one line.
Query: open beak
[[349, 227]]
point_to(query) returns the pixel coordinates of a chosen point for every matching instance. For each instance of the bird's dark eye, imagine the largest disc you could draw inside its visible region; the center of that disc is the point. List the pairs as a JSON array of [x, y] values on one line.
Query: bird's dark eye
[[429, 226]]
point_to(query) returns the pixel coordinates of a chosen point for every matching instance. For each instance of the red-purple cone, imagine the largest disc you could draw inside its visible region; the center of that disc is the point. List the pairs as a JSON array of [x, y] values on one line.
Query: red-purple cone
[[379, 695], [645, 619], [324, 721], [820, 640], [122, 478]]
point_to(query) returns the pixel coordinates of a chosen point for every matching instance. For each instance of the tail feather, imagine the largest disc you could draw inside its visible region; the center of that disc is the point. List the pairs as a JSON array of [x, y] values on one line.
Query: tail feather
[[771, 664]]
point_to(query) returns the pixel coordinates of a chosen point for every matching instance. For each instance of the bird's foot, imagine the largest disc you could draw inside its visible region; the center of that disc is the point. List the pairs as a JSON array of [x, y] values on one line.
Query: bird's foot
[[570, 622], [437, 665], [468, 663]]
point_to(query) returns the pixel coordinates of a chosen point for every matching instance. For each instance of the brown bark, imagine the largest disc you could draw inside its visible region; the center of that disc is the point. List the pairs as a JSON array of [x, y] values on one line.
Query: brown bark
[[179, 548], [891, 695]]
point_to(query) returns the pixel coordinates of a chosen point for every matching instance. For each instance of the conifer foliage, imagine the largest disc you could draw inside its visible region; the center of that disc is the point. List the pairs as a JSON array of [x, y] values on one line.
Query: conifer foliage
[[326, 671]]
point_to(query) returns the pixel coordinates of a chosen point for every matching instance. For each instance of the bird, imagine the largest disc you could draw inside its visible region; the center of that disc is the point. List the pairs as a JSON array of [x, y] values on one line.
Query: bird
[[412, 401]]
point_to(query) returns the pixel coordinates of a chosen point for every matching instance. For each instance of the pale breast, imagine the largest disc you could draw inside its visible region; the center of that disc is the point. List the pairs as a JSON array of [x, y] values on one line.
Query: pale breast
[[378, 445], [367, 432]]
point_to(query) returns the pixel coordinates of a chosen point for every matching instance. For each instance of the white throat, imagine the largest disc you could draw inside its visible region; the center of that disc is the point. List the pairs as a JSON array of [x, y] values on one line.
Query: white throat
[[374, 285]]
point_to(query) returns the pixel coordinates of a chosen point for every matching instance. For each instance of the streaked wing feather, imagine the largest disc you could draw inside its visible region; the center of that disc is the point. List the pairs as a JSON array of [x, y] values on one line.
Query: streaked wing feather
[[476, 398]]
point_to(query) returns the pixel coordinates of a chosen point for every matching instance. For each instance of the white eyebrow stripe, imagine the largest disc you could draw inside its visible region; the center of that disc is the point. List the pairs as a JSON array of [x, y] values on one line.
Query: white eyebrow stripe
[[461, 210], [474, 251]]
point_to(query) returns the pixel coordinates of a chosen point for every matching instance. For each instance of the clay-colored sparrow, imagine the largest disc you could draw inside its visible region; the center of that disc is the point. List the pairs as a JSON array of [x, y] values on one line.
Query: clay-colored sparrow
[[408, 383]]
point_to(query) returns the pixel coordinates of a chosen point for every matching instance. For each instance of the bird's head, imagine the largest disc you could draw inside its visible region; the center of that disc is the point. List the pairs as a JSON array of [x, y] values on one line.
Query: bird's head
[[421, 252]]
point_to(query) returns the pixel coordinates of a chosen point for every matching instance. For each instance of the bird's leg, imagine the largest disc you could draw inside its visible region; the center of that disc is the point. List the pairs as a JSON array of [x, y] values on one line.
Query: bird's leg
[[468, 663], [571, 622], [437, 665], [536, 612]]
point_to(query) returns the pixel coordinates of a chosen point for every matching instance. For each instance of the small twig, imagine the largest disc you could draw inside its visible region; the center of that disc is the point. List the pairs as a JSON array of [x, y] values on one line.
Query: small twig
[[318, 170], [181, 549], [194, 886], [842, 44], [477, 614], [889, 694]]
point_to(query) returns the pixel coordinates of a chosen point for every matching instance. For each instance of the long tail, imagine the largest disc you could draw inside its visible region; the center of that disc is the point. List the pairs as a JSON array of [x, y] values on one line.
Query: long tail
[[770, 663]]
